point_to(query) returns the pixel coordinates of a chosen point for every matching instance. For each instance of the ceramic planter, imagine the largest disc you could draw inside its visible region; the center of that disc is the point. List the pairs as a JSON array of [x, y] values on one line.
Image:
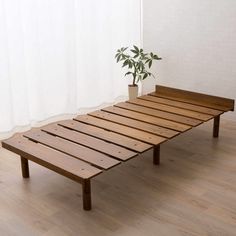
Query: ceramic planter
[[133, 91]]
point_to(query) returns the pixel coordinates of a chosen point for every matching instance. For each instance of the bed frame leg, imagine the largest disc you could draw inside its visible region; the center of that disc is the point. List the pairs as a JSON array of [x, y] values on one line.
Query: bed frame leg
[[156, 155], [25, 167], [216, 126], [86, 188]]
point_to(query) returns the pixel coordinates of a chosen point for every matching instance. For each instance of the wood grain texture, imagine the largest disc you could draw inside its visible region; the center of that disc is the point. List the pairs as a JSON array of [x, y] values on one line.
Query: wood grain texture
[[219, 103], [148, 118], [184, 105], [91, 142], [192, 193], [105, 135], [73, 149], [171, 109], [160, 131], [159, 114], [80, 156], [54, 160], [121, 129]]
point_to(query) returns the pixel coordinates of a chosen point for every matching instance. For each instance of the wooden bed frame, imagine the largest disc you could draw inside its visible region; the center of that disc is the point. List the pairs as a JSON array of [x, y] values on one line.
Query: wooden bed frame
[[88, 145]]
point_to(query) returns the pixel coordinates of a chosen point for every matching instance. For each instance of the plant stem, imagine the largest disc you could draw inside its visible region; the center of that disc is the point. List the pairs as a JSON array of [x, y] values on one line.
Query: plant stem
[[134, 75], [134, 80]]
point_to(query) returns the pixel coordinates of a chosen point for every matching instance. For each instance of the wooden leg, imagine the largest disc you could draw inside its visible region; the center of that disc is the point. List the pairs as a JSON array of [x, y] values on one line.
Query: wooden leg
[[216, 126], [86, 188], [156, 155], [25, 167]]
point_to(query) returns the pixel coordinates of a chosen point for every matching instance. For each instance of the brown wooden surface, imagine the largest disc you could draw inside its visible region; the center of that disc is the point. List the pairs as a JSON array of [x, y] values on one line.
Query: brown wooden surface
[[171, 109], [24, 167], [51, 159], [86, 194], [121, 129], [219, 103], [184, 105], [216, 126], [160, 131], [95, 158], [82, 148], [91, 142], [156, 155], [158, 113], [192, 193], [147, 118], [103, 134]]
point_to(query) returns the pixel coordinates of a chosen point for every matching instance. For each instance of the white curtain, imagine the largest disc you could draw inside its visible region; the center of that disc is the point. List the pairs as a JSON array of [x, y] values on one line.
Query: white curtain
[[57, 56]]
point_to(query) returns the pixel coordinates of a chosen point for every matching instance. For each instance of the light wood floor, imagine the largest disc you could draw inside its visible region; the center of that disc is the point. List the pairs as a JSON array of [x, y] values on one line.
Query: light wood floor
[[192, 192]]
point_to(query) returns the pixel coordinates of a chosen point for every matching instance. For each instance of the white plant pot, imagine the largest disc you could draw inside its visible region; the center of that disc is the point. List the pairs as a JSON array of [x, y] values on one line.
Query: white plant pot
[[133, 91]]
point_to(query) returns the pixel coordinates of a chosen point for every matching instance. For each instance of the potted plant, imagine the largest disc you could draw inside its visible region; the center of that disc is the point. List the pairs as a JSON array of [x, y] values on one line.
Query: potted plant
[[136, 62]]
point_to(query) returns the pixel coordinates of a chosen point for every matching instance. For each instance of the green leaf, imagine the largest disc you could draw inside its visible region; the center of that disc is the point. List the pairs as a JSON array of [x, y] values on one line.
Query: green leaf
[[145, 76], [133, 51], [150, 63], [118, 58], [136, 60], [155, 57], [128, 73], [141, 65], [130, 64], [126, 62], [136, 48], [123, 57]]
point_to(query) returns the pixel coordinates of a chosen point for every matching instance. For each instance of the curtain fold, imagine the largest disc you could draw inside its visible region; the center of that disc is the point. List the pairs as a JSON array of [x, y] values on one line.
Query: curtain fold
[[57, 56]]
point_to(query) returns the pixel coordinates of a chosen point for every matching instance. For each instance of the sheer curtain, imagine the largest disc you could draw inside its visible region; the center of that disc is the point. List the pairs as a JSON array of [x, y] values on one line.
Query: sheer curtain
[[57, 56]]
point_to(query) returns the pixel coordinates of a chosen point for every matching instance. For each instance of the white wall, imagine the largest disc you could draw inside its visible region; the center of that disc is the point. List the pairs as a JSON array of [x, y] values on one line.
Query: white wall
[[197, 40]]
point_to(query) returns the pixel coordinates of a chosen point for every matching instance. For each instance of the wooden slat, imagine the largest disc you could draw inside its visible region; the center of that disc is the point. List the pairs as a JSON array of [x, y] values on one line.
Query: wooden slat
[[158, 113], [121, 129], [83, 153], [167, 133], [51, 159], [89, 141], [112, 137], [183, 105], [147, 118], [218, 103], [175, 110]]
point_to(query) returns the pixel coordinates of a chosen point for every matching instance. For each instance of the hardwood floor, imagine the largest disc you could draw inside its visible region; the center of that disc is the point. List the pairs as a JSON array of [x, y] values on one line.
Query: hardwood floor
[[192, 193]]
